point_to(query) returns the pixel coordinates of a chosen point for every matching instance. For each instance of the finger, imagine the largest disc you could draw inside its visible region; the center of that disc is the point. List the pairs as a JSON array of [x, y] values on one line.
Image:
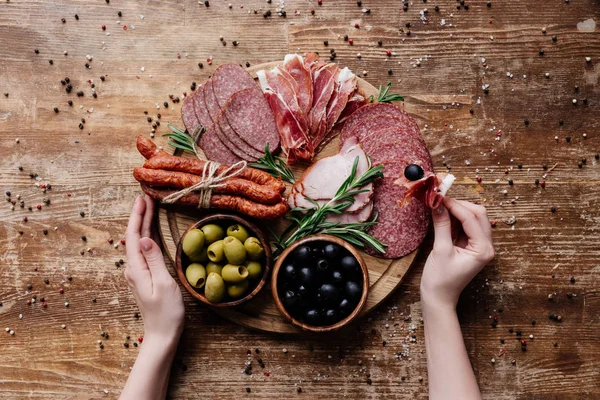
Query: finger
[[481, 214], [148, 217], [467, 219], [154, 259], [442, 228], [135, 260]]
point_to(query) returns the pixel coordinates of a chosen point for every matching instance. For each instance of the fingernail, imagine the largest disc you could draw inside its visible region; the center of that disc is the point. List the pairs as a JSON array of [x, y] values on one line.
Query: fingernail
[[146, 245]]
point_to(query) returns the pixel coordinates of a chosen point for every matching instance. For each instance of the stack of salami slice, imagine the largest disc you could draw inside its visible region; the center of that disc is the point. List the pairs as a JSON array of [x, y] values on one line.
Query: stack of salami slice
[[392, 138], [308, 97], [236, 116]]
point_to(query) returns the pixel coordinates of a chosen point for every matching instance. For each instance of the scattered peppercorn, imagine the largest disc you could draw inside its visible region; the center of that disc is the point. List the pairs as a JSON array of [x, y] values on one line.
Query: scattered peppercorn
[[51, 62], [84, 238], [541, 52], [64, 21], [36, 51], [526, 122]]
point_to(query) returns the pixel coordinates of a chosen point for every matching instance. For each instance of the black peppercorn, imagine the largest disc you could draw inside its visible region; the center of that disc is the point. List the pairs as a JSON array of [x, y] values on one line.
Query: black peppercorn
[[380, 42], [45, 231], [80, 126], [597, 156], [541, 52], [235, 42], [68, 88], [345, 38], [126, 345], [572, 279], [568, 139], [64, 21], [51, 62], [537, 182], [326, 42], [510, 182], [36, 51], [437, 9], [80, 94], [206, 3], [84, 238], [390, 71], [561, 122], [77, 17], [166, 104], [580, 164], [120, 14], [554, 38], [553, 209], [526, 122], [95, 95]]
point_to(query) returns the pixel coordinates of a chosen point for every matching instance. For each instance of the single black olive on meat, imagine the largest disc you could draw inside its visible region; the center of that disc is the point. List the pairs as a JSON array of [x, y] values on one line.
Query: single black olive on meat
[[353, 290], [414, 172], [289, 272], [331, 251], [313, 317], [302, 253], [306, 277], [329, 293], [337, 277]]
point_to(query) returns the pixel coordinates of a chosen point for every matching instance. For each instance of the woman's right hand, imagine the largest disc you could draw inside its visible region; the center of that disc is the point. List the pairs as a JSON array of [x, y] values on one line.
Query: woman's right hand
[[452, 264]]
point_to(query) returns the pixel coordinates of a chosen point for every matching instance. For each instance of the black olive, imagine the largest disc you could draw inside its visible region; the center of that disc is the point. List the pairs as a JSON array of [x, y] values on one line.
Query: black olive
[[289, 272], [302, 253], [329, 293], [332, 250], [322, 265], [337, 277], [306, 277], [353, 290], [313, 317], [331, 316], [302, 290], [413, 172], [290, 300], [350, 266], [345, 307]]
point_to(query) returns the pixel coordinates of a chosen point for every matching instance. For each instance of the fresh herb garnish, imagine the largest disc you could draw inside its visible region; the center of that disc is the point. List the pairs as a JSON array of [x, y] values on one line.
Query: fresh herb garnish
[[183, 141], [274, 166], [314, 219], [384, 97]]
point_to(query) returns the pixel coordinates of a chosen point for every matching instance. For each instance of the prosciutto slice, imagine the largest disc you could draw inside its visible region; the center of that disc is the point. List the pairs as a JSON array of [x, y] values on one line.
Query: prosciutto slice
[[294, 65], [323, 87], [345, 86], [279, 90], [430, 189]]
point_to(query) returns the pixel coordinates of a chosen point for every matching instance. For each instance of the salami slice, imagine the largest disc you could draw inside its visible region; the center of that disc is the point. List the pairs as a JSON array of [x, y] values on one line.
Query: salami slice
[[402, 229], [215, 150], [250, 116], [383, 147], [372, 117], [188, 114], [235, 143], [200, 107], [210, 101], [228, 79]]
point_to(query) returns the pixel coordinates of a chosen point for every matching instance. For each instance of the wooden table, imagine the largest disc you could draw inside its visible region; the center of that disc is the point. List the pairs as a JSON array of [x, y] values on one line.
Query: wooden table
[[442, 67]]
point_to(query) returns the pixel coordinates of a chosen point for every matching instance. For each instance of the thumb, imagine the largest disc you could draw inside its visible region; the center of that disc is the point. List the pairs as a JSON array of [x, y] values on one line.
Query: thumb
[[154, 258], [442, 227]]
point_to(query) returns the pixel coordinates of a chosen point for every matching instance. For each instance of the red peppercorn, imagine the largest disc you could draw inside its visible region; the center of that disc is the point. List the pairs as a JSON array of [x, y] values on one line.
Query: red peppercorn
[[506, 171], [44, 304], [543, 184], [312, 11], [110, 241], [350, 41], [141, 339], [122, 241], [61, 290], [28, 302], [479, 179], [320, 2], [388, 53], [103, 27], [124, 27], [523, 343], [493, 224], [39, 207], [356, 26]]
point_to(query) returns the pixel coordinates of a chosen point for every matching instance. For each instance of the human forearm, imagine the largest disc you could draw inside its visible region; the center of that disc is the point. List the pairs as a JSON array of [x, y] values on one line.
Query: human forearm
[[149, 377], [449, 368]]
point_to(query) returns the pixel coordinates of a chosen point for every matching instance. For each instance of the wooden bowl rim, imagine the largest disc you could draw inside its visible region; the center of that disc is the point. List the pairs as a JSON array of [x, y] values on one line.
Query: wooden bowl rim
[[327, 238], [220, 217]]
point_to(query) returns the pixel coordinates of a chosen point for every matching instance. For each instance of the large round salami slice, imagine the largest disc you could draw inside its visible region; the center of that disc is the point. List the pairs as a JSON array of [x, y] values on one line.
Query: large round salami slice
[[401, 228], [251, 117], [231, 138], [409, 151], [228, 79], [372, 117], [215, 150], [210, 101]]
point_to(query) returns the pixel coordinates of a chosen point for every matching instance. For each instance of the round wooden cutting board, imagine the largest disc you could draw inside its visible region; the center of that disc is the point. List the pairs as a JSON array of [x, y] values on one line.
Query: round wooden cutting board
[[260, 313]]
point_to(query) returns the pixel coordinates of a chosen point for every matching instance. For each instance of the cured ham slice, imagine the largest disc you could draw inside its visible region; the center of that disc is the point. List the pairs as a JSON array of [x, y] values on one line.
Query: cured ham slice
[[361, 215], [345, 86], [324, 81], [321, 181], [291, 122], [294, 65], [430, 189], [354, 103]]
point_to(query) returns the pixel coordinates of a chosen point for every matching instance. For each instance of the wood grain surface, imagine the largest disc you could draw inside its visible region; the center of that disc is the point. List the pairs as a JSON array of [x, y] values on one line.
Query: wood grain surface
[[442, 68]]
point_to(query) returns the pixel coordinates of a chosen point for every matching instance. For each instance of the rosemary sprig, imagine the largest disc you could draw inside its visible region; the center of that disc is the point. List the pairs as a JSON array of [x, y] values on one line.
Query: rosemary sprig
[[384, 97], [274, 166], [183, 141], [313, 221]]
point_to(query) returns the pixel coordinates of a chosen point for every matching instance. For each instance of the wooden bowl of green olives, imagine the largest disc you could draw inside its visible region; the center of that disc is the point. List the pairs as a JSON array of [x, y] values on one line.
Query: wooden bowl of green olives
[[320, 283], [223, 260]]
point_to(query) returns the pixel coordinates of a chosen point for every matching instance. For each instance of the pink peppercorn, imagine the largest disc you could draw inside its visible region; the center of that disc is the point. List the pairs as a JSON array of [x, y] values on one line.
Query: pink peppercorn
[[122, 241], [61, 290], [103, 27], [356, 26], [388, 53], [39, 207], [44, 304], [350, 41], [141, 339]]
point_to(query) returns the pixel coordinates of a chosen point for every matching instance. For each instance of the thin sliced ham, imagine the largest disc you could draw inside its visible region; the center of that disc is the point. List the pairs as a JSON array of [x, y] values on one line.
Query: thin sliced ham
[[321, 180], [345, 86], [361, 215], [294, 65], [430, 190], [323, 87]]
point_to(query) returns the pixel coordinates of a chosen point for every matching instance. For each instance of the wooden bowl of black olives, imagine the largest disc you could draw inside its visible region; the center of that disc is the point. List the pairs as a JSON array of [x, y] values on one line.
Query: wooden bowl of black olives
[[320, 283], [223, 260]]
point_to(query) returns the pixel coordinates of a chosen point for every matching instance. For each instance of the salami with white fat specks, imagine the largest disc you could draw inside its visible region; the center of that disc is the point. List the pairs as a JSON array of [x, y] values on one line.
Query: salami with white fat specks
[[215, 150], [402, 229], [233, 141], [408, 151], [200, 107], [249, 114], [228, 79], [188, 113]]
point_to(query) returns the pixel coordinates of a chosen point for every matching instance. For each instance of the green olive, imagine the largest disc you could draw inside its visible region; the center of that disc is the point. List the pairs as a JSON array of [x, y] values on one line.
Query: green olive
[[254, 249], [213, 267], [196, 275], [215, 251], [234, 273], [254, 269], [193, 243], [234, 250], [238, 231], [214, 290], [238, 290], [201, 257], [212, 233]]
